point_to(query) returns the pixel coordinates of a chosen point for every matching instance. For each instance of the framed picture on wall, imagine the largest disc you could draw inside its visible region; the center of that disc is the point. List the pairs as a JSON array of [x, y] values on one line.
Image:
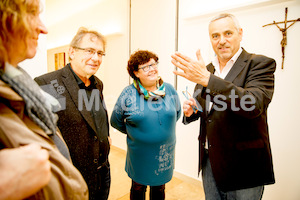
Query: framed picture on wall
[[57, 57], [59, 60]]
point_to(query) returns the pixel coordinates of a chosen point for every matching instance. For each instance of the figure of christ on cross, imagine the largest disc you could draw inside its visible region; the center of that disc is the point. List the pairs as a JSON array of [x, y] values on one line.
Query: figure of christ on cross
[[284, 32]]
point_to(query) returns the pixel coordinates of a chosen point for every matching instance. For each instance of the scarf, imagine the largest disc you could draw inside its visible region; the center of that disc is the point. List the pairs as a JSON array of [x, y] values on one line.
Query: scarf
[[38, 108], [159, 92]]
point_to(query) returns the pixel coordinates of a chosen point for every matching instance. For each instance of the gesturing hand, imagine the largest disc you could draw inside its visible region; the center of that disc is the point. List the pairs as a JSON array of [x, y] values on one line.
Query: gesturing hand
[[193, 70]]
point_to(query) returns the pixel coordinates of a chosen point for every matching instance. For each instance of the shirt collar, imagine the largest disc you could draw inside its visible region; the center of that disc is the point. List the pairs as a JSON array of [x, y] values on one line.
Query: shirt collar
[[215, 60], [80, 82], [228, 66]]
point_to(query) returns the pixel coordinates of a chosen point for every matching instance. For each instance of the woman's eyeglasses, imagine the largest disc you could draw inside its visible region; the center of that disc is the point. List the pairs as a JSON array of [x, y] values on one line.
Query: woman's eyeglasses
[[147, 67]]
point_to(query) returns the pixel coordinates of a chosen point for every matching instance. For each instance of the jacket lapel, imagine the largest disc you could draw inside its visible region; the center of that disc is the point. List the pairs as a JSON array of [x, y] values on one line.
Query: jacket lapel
[[238, 66], [234, 71], [73, 88], [212, 70]]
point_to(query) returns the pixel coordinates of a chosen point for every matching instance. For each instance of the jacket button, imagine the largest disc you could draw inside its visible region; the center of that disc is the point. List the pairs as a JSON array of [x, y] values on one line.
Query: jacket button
[[209, 120], [96, 161]]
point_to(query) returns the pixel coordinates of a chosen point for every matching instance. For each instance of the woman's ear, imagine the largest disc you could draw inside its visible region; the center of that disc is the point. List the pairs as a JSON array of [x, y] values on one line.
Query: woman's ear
[[136, 73]]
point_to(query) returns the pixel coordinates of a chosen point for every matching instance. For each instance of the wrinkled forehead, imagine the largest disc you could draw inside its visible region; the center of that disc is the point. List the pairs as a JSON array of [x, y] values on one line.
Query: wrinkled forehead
[[89, 37], [91, 40], [229, 20], [222, 25]]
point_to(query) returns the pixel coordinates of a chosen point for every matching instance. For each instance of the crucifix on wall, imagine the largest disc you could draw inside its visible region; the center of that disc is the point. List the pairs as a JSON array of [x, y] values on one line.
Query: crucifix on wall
[[284, 32]]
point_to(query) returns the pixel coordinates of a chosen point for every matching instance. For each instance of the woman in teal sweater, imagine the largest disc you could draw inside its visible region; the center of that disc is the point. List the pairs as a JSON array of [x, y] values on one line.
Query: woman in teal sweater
[[147, 111]]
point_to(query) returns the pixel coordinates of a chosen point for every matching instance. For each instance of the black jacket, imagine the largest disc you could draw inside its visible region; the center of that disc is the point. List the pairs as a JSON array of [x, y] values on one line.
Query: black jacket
[[239, 147], [87, 150]]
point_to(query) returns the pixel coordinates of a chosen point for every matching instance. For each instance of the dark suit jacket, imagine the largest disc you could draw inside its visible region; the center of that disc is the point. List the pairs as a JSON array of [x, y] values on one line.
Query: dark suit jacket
[[239, 147], [88, 151]]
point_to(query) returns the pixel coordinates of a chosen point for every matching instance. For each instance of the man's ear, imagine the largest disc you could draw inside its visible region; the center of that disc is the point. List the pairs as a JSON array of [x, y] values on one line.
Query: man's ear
[[241, 34], [71, 52]]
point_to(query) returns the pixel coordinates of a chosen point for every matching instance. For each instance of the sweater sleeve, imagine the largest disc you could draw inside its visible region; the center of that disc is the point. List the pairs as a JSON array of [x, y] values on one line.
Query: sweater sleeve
[[117, 119], [177, 103], [176, 100], [118, 116]]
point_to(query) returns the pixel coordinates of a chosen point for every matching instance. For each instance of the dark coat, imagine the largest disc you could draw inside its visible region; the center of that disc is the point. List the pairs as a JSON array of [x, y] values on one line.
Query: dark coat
[[239, 147], [77, 127]]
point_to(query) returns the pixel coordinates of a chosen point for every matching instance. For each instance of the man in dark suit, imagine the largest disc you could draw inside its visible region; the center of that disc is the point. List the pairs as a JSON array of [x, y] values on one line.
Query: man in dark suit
[[83, 119], [233, 92]]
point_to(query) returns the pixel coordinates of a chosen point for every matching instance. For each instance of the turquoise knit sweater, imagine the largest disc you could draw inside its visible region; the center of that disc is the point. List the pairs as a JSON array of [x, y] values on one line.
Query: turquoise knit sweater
[[150, 128]]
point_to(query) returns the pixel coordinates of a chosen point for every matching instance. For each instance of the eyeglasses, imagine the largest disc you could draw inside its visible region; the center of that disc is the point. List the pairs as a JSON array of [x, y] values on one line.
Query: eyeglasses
[[147, 67], [91, 52]]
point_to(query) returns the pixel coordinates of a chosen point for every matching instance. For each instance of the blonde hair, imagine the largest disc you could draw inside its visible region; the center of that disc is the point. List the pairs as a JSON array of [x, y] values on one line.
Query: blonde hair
[[14, 22]]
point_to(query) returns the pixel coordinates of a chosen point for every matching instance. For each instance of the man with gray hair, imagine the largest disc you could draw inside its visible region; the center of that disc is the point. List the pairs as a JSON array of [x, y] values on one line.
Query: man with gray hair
[[234, 92], [83, 120]]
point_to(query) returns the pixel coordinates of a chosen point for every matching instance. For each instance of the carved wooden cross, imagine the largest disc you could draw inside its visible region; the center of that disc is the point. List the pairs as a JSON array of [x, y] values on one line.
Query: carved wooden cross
[[284, 32]]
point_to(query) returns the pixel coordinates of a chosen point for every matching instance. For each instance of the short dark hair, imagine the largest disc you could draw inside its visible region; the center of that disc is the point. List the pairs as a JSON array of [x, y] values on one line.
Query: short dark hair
[[138, 58]]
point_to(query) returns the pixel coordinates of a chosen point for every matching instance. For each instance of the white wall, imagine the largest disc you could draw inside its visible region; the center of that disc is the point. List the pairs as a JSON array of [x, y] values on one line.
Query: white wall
[[153, 28]]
